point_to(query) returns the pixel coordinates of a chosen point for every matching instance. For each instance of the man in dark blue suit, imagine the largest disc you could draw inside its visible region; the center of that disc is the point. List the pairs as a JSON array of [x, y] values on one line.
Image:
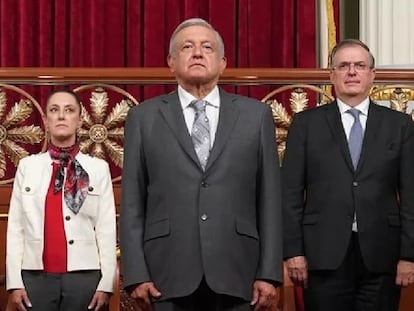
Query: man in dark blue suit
[[200, 223], [348, 194]]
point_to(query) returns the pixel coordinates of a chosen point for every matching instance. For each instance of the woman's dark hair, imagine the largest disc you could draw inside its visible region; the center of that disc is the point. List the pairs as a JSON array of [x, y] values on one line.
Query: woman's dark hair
[[67, 91]]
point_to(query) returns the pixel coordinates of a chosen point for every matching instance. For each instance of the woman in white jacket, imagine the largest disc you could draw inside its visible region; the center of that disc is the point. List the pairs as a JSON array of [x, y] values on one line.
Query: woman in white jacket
[[61, 236]]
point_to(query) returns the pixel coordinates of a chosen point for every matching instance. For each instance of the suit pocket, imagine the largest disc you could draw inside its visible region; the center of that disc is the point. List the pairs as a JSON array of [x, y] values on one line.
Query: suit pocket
[[30, 197], [90, 206], [394, 220], [310, 219], [157, 229], [392, 150], [247, 228]]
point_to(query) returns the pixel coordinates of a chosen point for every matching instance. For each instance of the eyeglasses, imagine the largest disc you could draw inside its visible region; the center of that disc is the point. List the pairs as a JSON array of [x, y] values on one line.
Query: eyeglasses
[[346, 66]]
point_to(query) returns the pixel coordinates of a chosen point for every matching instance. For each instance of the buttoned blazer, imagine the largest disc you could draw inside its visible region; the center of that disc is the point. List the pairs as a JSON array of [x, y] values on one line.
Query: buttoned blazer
[[178, 223], [90, 234], [321, 190]]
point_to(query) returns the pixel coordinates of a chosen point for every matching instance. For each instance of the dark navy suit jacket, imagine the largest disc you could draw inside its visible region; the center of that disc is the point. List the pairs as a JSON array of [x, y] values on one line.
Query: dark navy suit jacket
[[321, 189]]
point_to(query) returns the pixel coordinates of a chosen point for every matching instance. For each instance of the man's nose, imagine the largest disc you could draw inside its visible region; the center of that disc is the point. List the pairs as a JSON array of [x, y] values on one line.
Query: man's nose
[[197, 51], [351, 68]]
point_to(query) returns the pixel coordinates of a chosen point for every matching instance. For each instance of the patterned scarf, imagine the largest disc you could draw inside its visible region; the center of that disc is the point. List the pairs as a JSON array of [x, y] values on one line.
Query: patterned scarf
[[76, 183]]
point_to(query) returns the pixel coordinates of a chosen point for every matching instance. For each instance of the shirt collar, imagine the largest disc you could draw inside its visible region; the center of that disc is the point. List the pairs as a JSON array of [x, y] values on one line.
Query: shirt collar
[[362, 107], [186, 98]]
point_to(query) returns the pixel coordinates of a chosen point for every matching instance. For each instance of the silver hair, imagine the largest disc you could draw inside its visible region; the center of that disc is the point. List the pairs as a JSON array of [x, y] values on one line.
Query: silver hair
[[196, 22], [351, 42]]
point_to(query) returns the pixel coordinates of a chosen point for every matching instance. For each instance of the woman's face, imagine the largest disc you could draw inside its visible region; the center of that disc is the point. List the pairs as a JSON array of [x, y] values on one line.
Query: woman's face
[[63, 118]]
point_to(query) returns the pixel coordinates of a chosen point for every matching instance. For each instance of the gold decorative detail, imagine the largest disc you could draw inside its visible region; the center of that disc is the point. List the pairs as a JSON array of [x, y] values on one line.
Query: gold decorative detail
[[102, 133], [385, 92], [398, 96], [98, 133], [298, 102], [12, 133], [3, 134], [399, 100]]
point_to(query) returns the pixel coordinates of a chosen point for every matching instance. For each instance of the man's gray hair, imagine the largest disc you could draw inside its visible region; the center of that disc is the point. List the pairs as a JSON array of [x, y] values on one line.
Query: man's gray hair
[[351, 42], [196, 22]]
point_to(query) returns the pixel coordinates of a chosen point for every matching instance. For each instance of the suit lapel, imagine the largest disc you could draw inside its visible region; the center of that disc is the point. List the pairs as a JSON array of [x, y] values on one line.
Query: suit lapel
[[228, 115], [172, 112], [337, 129], [371, 131]]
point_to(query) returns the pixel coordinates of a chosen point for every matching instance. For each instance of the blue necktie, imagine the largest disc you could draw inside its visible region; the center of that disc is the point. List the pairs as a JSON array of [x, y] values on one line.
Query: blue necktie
[[200, 132], [356, 136]]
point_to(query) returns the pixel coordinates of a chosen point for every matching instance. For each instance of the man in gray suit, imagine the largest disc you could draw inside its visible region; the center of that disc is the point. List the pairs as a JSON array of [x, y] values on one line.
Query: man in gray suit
[[200, 225]]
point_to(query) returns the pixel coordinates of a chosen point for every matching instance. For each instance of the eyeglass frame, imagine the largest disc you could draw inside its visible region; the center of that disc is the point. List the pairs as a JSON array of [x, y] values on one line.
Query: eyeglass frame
[[346, 66]]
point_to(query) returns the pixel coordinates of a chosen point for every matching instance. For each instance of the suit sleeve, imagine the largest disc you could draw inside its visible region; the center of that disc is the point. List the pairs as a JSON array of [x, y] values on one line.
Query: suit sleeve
[[293, 189], [269, 205], [406, 191], [133, 201]]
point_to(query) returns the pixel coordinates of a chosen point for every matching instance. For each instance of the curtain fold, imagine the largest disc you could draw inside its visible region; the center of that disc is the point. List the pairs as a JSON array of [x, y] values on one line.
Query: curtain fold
[[135, 33]]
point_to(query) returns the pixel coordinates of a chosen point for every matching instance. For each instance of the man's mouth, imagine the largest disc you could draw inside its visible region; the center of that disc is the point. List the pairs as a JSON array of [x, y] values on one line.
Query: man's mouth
[[197, 64]]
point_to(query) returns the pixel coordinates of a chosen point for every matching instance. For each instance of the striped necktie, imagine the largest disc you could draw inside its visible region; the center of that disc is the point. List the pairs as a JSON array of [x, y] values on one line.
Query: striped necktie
[[200, 132]]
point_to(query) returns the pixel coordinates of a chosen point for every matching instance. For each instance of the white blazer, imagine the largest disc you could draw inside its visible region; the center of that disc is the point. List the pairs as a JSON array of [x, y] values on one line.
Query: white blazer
[[91, 234]]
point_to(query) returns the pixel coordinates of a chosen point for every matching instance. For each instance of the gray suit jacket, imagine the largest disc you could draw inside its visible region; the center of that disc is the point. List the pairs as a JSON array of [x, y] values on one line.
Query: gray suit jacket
[[179, 223]]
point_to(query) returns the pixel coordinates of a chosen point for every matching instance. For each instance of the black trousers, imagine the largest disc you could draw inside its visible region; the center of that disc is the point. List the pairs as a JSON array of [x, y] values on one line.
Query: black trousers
[[351, 287], [203, 299], [72, 291]]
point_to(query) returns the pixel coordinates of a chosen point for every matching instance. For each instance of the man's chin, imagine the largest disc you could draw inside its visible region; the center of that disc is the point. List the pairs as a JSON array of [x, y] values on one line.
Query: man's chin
[[197, 79], [353, 92]]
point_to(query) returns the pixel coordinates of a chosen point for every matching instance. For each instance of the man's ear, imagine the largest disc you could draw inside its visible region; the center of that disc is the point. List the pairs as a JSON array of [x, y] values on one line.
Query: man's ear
[[373, 73], [170, 62], [331, 72], [223, 64]]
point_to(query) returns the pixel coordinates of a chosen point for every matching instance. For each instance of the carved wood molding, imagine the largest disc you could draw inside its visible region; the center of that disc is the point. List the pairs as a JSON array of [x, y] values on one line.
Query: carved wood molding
[[162, 75]]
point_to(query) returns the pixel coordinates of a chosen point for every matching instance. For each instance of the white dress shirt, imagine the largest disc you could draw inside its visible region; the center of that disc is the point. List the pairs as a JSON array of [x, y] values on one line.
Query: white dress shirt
[[212, 110], [348, 119]]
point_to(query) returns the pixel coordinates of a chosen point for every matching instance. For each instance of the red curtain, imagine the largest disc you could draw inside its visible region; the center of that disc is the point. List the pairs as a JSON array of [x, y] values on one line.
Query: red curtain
[[135, 33]]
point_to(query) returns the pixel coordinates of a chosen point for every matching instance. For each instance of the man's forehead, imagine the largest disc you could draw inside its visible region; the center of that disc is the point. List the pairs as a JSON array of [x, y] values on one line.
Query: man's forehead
[[195, 30], [352, 52]]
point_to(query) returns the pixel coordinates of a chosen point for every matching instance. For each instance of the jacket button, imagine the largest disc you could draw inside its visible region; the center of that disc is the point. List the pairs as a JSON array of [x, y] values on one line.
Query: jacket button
[[355, 184], [204, 217], [27, 189], [71, 242], [90, 188], [67, 217], [204, 184]]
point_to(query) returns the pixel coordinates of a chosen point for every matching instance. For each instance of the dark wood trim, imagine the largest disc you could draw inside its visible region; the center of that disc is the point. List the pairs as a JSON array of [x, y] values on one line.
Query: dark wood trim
[[162, 75]]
